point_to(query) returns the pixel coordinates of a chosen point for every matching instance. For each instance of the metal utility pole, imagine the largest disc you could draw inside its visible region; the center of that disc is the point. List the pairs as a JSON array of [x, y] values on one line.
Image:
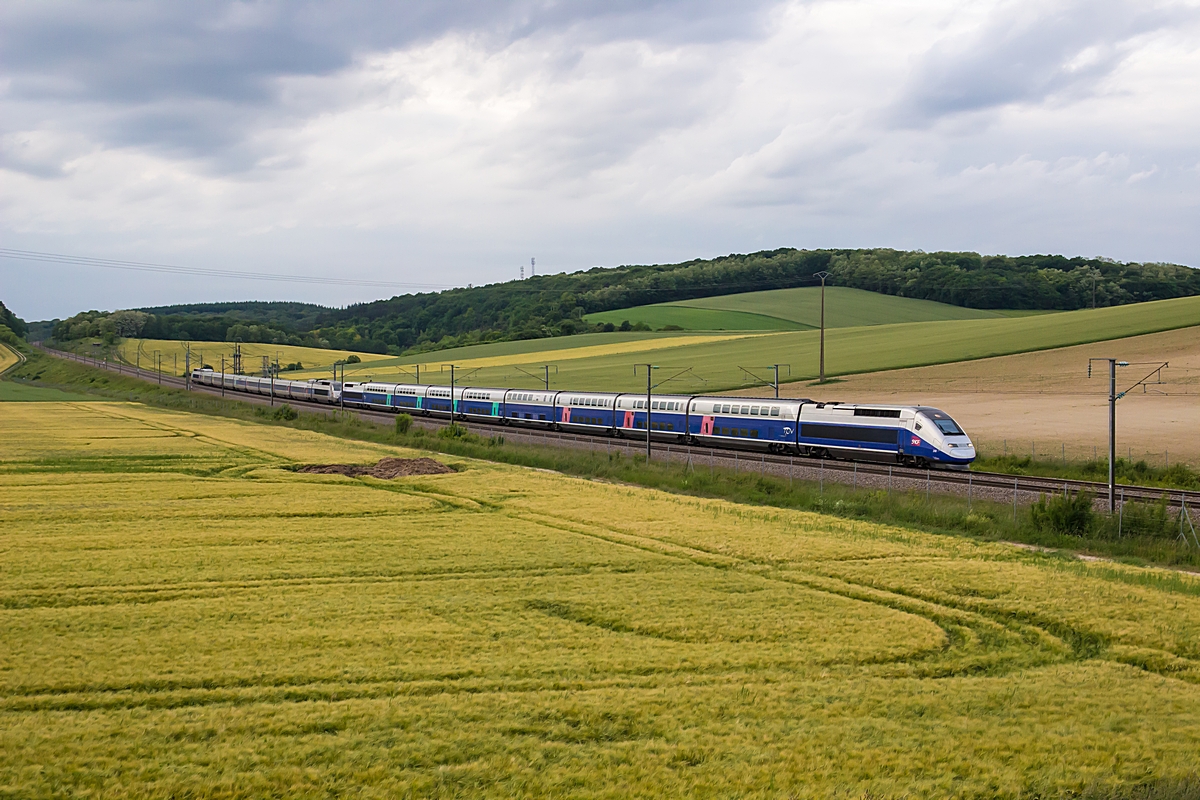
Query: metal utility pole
[[187, 366], [222, 375], [1112, 432], [649, 390], [544, 377], [774, 383], [822, 276], [1113, 397], [158, 360], [273, 382], [335, 386]]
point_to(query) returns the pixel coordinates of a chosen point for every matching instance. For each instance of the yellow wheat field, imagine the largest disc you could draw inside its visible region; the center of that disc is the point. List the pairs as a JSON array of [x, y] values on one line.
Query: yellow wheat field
[[8, 357], [184, 615], [596, 350], [146, 353], [319, 363]]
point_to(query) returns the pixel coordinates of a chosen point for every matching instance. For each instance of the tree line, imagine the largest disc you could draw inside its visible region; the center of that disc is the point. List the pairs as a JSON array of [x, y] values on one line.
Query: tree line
[[555, 305]]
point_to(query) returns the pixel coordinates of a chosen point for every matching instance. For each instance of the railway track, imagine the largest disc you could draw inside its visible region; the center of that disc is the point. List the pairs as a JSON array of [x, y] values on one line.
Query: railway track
[[995, 486], [20, 359]]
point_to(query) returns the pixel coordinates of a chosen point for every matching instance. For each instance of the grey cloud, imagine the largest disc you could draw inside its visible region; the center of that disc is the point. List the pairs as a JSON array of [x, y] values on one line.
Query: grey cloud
[[1020, 56], [196, 79]]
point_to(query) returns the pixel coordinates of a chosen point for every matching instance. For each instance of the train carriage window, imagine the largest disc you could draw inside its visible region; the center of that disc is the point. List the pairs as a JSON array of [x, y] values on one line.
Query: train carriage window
[[744, 432], [754, 410], [745, 409], [774, 411], [849, 433], [754, 433]]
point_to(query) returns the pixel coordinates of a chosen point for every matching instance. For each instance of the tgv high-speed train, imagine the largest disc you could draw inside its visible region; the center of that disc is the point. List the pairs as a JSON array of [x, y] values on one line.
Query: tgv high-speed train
[[912, 435]]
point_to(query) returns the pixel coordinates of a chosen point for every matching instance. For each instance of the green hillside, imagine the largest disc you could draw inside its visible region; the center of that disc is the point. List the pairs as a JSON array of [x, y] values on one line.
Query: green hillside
[[712, 362], [556, 305], [791, 309], [688, 318]]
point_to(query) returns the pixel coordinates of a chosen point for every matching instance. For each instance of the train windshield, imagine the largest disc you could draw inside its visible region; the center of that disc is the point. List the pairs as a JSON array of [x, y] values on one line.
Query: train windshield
[[948, 427], [942, 420]]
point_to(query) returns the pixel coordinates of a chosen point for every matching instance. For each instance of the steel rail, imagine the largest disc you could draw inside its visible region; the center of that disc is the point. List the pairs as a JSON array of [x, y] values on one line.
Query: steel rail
[[956, 480]]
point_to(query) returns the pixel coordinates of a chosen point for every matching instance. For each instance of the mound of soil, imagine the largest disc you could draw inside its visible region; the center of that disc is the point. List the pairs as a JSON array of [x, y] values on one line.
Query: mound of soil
[[387, 468]]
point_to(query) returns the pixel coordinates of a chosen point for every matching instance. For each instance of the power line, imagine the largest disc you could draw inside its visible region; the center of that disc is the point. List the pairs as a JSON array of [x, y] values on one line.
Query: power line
[[171, 269]]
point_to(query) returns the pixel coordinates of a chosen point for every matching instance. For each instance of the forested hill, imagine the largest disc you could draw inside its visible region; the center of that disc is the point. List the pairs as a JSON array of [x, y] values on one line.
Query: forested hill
[[553, 305], [12, 327]]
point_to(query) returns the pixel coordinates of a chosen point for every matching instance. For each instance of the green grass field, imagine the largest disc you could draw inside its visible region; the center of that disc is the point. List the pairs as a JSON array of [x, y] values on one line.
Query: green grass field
[[710, 362], [696, 319], [785, 309], [186, 616], [711, 366]]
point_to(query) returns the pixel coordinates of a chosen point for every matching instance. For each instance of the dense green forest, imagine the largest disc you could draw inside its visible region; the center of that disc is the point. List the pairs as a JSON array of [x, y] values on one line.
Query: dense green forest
[[12, 327], [554, 305]]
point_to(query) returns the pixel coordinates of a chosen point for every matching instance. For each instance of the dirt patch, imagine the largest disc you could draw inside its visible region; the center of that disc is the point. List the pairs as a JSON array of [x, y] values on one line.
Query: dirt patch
[[387, 468]]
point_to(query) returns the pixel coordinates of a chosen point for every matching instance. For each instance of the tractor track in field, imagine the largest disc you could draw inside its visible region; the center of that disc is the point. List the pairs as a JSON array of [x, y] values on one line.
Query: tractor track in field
[[991, 486]]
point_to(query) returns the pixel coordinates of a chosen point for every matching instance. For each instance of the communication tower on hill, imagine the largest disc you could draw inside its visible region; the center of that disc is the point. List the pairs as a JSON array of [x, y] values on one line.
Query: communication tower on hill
[[532, 267]]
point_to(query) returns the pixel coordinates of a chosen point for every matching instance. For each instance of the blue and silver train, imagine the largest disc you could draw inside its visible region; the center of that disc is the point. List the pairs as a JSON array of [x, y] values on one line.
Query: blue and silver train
[[891, 434]]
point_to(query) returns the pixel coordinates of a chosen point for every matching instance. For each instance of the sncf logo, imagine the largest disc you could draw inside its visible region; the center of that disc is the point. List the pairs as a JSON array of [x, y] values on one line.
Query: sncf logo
[[916, 441]]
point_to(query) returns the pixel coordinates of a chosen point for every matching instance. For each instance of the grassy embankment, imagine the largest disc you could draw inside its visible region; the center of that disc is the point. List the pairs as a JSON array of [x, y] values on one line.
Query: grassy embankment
[[187, 616], [709, 363], [1153, 540]]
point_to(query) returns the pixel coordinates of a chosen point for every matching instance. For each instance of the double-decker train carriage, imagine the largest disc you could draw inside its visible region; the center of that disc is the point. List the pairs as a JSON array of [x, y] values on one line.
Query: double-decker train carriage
[[753, 422], [913, 435], [590, 412], [320, 391], [668, 415]]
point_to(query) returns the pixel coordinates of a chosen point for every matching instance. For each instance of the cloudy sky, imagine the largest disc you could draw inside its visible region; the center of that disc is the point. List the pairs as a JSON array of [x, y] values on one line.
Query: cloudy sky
[[396, 146]]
